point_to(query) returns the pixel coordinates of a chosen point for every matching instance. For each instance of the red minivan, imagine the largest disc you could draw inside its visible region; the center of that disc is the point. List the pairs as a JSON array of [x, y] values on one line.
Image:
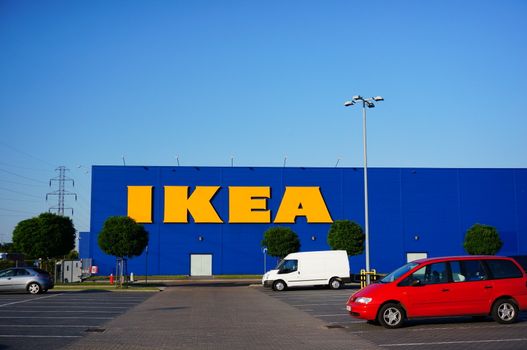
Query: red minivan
[[449, 286]]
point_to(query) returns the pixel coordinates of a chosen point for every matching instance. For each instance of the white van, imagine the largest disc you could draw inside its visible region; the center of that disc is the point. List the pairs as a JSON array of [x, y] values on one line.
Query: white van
[[330, 268]]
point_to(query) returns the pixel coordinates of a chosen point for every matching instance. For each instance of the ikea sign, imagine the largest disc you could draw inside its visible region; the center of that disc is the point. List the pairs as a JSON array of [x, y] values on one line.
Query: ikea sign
[[247, 204]]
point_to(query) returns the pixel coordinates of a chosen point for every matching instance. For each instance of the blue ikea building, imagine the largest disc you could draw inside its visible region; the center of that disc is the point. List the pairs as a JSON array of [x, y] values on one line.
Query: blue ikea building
[[413, 212]]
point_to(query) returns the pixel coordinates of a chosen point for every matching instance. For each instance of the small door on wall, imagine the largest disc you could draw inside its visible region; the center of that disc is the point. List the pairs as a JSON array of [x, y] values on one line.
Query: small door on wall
[[201, 264]]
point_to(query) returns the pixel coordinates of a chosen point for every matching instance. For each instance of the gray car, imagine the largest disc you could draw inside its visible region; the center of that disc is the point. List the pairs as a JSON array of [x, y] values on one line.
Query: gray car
[[29, 279]]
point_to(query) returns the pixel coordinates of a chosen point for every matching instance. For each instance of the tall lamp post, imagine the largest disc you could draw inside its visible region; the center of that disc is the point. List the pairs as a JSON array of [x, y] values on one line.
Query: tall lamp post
[[366, 102]]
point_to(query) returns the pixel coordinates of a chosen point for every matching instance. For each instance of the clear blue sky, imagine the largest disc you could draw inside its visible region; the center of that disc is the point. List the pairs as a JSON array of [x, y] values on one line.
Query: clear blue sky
[[85, 82]]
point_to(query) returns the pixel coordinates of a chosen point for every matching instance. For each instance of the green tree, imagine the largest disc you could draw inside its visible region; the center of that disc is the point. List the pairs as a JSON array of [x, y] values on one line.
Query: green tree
[[346, 235], [482, 240], [72, 255], [122, 237], [45, 236], [7, 248], [280, 241]]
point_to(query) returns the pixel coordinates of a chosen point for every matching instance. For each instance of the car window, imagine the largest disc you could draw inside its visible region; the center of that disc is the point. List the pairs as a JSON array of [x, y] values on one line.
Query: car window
[[40, 271], [288, 266], [7, 273], [398, 273], [429, 274], [503, 269], [458, 273], [473, 270], [22, 272]]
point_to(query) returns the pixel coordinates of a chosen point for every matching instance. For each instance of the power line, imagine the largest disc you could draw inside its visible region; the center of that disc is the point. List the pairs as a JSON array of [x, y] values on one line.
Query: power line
[[18, 192], [25, 153], [17, 200], [22, 167], [22, 176], [20, 183], [17, 211]]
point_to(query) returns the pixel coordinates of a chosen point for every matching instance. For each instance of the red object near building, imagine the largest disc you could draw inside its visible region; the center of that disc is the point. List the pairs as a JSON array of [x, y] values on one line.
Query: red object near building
[[440, 287]]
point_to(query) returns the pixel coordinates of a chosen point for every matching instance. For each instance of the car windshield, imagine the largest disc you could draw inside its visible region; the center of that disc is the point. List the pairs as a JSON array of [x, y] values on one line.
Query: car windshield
[[399, 272]]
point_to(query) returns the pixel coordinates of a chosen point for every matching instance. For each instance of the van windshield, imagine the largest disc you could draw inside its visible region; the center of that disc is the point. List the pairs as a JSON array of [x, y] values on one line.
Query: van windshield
[[399, 272], [287, 266]]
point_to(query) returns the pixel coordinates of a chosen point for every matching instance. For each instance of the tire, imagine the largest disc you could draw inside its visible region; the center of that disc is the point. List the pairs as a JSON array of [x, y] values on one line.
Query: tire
[[505, 311], [279, 286], [335, 283], [34, 288], [391, 315]]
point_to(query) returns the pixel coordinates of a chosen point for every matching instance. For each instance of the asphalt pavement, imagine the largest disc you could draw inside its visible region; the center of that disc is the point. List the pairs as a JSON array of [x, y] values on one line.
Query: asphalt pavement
[[228, 315], [210, 316], [55, 319]]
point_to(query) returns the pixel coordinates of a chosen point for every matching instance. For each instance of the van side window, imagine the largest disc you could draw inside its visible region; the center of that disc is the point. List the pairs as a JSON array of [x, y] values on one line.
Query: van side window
[[458, 274], [436, 273], [288, 266], [473, 270], [503, 269]]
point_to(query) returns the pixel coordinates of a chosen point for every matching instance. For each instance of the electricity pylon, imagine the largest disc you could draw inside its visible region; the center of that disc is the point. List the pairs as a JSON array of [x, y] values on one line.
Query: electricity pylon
[[61, 192]]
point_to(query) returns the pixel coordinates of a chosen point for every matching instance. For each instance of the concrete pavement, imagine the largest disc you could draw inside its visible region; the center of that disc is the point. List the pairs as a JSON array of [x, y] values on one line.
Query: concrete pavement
[[229, 316]]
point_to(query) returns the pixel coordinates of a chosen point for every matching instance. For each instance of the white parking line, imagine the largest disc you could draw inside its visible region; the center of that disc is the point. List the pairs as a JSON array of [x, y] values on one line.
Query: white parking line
[[107, 300], [434, 329], [331, 315], [329, 304], [57, 318], [38, 336], [455, 342], [91, 303], [43, 326], [63, 311], [33, 307], [28, 300]]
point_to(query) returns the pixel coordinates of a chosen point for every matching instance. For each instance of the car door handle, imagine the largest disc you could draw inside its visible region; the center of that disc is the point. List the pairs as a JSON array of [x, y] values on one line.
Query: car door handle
[[445, 290], [488, 287]]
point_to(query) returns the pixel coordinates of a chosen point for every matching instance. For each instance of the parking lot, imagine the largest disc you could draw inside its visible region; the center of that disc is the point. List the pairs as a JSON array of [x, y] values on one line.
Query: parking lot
[[452, 333], [58, 319], [55, 319]]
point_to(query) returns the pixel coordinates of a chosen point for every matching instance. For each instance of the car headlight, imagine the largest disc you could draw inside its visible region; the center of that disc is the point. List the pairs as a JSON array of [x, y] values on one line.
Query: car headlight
[[363, 300]]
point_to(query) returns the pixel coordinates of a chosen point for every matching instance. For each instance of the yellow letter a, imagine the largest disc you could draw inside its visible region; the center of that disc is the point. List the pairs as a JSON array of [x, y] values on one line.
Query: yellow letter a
[[303, 201]]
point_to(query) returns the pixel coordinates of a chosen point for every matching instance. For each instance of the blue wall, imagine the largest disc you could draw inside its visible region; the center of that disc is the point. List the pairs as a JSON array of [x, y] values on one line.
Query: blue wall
[[436, 206]]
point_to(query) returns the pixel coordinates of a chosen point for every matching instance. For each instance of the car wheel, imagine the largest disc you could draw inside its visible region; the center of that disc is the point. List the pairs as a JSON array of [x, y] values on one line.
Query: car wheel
[[391, 315], [33, 288], [505, 311], [279, 286], [335, 283]]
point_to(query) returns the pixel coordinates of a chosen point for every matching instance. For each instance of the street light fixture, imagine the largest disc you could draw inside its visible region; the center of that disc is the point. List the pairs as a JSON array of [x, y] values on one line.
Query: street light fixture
[[366, 102]]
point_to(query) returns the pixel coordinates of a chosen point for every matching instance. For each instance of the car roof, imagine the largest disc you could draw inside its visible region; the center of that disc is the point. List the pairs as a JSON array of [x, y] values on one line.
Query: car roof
[[461, 257]]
